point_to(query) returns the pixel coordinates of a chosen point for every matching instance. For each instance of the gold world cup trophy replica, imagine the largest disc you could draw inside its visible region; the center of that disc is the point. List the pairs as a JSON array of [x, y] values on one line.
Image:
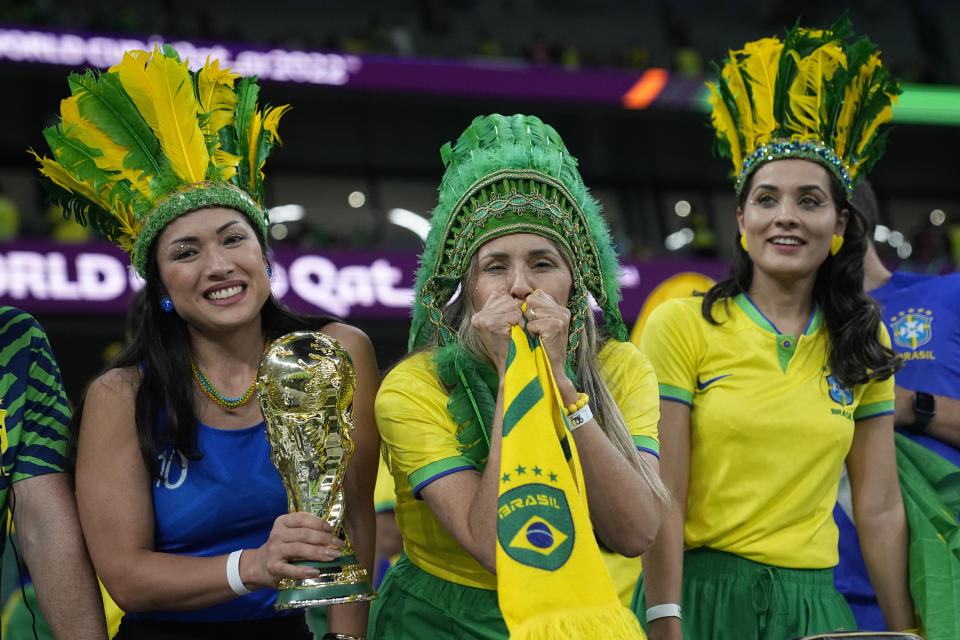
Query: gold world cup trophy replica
[[305, 384]]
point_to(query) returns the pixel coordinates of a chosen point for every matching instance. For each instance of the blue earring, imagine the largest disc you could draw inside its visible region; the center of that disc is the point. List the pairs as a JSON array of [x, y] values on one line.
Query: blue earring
[[166, 304], [269, 272]]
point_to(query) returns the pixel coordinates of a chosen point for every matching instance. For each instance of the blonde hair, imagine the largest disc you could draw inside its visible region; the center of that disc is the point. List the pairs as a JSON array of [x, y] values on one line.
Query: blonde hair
[[586, 363]]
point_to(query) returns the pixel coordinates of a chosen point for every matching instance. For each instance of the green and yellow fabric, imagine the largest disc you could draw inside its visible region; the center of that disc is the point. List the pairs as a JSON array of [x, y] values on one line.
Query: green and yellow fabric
[[931, 496], [551, 580]]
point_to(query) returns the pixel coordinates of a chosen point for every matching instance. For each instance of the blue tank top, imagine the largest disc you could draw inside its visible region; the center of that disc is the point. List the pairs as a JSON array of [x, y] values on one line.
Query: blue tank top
[[225, 501]]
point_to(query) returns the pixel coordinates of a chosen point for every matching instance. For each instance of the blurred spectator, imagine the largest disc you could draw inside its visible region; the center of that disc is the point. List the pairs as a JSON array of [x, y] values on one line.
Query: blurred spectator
[[487, 45], [538, 51], [9, 218], [704, 243], [66, 230]]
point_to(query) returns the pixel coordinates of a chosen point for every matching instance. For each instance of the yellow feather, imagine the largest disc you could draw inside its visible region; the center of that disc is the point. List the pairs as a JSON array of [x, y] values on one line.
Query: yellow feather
[[128, 223], [735, 81], [63, 178], [884, 116], [227, 164], [725, 126], [218, 101], [271, 119], [851, 103], [216, 95], [133, 78], [79, 128], [815, 34], [760, 62], [176, 125], [253, 137], [806, 91]]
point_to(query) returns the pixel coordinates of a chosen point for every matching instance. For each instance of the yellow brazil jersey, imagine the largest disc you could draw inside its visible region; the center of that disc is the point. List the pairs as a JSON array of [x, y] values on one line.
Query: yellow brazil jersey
[[420, 443], [770, 428]]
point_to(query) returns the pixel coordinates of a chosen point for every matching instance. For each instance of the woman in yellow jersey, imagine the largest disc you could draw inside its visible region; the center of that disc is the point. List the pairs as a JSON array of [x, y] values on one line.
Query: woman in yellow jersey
[[514, 225], [783, 371]]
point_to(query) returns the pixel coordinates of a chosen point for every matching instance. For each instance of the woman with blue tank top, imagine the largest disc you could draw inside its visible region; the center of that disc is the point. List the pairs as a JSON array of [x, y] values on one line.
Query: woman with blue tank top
[[184, 513]]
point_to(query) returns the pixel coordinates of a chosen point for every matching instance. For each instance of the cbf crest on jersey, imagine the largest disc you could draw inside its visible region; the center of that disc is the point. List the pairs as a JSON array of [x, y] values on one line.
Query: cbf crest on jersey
[[840, 395], [912, 328]]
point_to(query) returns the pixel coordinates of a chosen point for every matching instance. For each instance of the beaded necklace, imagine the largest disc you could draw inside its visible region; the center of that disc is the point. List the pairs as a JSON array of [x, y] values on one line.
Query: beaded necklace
[[216, 396]]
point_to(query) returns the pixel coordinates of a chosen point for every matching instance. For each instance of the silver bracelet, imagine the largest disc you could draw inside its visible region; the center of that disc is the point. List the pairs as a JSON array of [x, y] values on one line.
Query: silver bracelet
[[233, 574], [668, 610]]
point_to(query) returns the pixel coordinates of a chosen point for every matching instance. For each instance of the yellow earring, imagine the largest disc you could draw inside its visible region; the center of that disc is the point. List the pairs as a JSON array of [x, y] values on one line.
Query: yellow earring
[[835, 243], [743, 241]]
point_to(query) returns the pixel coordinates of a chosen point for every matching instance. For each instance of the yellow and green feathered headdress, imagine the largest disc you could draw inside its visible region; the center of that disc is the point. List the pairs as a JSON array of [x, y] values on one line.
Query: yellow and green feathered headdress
[[818, 95], [150, 140]]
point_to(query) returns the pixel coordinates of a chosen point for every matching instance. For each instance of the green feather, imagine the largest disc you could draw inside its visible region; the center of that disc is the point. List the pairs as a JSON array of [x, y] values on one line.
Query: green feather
[[264, 147], [247, 92], [446, 154], [76, 157], [872, 102], [169, 51], [785, 74], [842, 28], [103, 102], [857, 55], [723, 88], [81, 210], [873, 152], [472, 406]]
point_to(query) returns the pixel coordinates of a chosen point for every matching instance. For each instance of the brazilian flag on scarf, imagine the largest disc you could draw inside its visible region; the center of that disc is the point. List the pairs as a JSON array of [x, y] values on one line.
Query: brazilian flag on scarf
[[551, 580]]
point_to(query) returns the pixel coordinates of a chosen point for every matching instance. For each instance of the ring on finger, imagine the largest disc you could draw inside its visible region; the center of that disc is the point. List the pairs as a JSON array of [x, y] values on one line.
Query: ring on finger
[[533, 313]]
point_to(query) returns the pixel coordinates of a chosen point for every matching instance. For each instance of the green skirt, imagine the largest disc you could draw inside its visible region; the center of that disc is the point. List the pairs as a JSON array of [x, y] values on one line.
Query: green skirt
[[414, 605], [726, 596]]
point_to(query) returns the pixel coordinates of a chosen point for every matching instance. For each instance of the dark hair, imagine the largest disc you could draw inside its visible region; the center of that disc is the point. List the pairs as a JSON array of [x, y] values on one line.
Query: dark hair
[[865, 200], [160, 346], [852, 318]]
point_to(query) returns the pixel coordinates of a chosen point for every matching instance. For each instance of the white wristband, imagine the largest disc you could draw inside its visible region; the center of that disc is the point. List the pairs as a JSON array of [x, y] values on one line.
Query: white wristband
[[579, 417], [233, 574], [668, 610]]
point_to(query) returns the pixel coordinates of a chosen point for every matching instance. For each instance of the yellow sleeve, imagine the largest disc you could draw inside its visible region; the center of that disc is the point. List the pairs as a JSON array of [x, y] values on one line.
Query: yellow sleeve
[[673, 340], [419, 435], [384, 498], [878, 395], [633, 384]]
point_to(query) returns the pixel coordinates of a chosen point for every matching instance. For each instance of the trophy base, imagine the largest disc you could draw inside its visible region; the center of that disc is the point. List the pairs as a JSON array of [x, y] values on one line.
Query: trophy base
[[343, 580]]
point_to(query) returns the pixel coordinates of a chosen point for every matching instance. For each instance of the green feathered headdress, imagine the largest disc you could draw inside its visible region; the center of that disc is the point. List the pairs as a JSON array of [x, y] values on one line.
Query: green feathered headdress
[[150, 140], [513, 175], [818, 95]]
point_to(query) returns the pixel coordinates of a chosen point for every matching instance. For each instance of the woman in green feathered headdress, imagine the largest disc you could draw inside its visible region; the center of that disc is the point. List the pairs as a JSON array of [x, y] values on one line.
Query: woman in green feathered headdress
[[782, 372], [184, 514], [516, 239]]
